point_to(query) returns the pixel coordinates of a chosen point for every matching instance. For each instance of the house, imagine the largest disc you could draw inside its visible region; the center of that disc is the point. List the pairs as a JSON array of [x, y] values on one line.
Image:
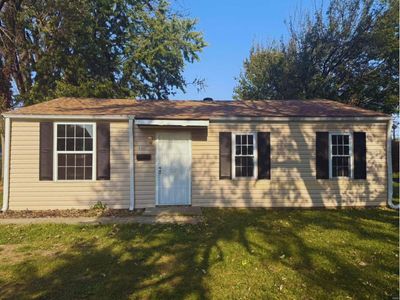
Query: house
[[73, 152]]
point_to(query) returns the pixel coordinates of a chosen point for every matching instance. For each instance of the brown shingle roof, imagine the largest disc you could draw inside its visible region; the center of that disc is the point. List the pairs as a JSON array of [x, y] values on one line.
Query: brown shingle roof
[[154, 109]]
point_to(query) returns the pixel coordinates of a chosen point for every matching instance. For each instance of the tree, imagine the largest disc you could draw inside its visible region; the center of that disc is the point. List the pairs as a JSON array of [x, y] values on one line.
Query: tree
[[90, 48], [349, 54]]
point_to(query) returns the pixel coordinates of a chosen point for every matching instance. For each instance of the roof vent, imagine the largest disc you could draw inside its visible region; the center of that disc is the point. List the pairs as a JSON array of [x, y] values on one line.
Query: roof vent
[[208, 99]]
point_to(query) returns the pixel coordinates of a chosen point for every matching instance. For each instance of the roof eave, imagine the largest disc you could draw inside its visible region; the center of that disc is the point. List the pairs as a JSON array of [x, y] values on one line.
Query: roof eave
[[213, 119], [315, 119], [67, 117]]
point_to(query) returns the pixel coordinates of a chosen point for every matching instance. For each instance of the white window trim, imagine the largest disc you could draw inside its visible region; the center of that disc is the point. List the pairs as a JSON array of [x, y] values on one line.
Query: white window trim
[[255, 154], [350, 134], [55, 152]]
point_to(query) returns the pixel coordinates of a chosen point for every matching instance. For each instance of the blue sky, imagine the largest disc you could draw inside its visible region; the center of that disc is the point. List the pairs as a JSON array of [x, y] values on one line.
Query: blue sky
[[230, 28]]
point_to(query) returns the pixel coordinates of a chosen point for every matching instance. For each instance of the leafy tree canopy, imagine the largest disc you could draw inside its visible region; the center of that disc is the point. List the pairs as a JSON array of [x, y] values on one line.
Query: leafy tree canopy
[[350, 53], [93, 48]]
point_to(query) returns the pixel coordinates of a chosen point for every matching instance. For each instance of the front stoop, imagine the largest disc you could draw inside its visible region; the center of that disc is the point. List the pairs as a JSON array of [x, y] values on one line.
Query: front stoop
[[171, 211]]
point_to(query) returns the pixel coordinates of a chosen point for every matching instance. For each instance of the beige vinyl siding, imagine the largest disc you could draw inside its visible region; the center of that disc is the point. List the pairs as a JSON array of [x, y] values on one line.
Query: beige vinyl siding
[[27, 192], [292, 183]]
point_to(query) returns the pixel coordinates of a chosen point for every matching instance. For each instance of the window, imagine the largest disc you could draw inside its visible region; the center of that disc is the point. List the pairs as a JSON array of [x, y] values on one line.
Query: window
[[244, 155], [74, 151], [340, 158]]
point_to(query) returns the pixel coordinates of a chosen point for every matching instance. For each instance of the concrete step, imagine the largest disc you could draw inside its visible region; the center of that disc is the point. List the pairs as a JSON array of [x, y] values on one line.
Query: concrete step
[[172, 211]]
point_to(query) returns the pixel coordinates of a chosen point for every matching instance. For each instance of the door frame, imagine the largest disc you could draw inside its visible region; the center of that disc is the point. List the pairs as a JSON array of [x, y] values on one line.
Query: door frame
[[157, 178]]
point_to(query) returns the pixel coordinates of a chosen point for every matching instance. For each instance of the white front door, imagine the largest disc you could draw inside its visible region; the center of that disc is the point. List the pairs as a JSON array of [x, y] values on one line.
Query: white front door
[[173, 168]]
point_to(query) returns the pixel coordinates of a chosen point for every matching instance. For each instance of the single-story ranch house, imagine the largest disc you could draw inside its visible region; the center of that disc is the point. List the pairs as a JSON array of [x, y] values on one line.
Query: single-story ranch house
[[73, 152]]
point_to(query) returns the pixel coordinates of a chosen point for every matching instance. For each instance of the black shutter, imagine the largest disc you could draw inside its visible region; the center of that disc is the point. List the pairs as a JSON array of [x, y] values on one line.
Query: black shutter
[[264, 155], [103, 151], [360, 152], [322, 155], [225, 155], [46, 151]]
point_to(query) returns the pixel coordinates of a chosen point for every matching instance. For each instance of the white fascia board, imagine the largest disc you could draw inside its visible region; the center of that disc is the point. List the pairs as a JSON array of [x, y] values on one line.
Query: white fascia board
[[300, 119], [191, 123], [67, 117]]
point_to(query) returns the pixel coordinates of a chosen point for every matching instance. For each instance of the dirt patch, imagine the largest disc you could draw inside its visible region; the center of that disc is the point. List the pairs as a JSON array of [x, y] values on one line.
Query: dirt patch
[[68, 213]]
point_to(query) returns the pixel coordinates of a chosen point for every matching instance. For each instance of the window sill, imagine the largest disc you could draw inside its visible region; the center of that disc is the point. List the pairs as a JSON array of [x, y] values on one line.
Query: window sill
[[341, 178], [244, 178]]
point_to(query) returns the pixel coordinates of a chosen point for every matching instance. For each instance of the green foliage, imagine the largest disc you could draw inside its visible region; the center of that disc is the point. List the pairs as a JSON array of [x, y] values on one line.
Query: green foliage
[[107, 48], [350, 54], [99, 205]]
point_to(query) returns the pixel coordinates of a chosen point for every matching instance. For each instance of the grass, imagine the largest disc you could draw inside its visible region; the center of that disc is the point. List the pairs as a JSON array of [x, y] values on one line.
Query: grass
[[241, 254]]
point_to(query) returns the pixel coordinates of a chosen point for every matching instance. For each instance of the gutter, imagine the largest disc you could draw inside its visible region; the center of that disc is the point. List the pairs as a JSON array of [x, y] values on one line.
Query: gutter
[[216, 119], [66, 117], [131, 163], [6, 164], [389, 166], [299, 119]]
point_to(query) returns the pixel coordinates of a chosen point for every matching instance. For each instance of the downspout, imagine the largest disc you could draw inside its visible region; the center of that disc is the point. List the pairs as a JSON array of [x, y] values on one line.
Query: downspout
[[6, 163], [389, 166], [131, 164]]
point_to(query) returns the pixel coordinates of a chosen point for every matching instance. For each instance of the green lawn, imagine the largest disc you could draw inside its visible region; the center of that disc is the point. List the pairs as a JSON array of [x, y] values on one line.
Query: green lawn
[[236, 254]]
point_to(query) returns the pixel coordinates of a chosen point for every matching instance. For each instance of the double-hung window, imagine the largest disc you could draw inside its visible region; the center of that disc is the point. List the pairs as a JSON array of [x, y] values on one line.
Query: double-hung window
[[340, 155], [244, 155], [75, 143]]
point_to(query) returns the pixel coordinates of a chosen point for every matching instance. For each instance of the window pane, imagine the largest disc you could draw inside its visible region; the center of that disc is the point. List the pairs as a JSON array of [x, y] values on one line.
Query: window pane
[[346, 171], [346, 139], [244, 150], [70, 130], [334, 139], [70, 160], [61, 144], [70, 172], [238, 161], [340, 139], [244, 140], [346, 150], [250, 140], [238, 150], [88, 173], [88, 160], [334, 150], [249, 166], [79, 173], [62, 160], [340, 150], [340, 166], [244, 166], [238, 171], [80, 160], [237, 140], [88, 145], [250, 150], [62, 173], [79, 130], [334, 171], [70, 144], [60, 130], [88, 131], [78, 144], [345, 161]]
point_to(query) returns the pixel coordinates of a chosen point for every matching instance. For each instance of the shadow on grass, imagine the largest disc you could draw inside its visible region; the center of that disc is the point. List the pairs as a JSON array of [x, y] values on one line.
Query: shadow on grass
[[319, 251]]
